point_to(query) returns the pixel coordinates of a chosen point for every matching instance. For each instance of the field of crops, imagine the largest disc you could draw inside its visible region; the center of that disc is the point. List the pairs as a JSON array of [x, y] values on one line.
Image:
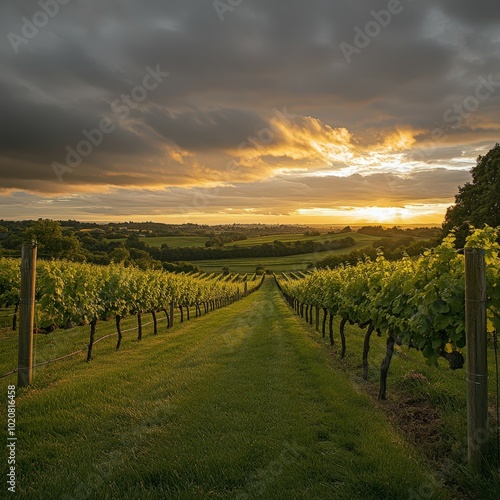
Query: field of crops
[[250, 386]]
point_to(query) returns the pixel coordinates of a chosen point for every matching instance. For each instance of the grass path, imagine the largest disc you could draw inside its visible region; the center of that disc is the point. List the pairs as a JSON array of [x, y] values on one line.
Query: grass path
[[240, 404]]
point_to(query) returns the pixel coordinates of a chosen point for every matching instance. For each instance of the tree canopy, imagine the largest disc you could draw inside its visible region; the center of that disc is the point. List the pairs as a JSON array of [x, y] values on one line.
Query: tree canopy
[[478, 202], [52, 242]]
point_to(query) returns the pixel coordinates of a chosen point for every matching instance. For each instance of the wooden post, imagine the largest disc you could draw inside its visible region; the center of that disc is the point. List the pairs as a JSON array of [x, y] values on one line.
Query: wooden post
[[477, 366], [26, 314]]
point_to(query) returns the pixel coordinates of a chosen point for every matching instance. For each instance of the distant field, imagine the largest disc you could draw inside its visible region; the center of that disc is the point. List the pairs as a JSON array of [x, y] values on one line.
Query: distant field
[[276, 264], [177, 241], [174, 241], [199, 241], [260, 240]]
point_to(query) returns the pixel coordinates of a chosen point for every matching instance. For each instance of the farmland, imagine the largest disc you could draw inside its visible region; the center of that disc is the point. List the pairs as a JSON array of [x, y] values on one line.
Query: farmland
[[283, 263], [246, 400], [277, 264], [243, 404], [199, 241]]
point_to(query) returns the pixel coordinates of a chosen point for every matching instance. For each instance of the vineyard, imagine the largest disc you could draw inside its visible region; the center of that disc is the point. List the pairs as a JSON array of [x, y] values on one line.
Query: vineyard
[[416, 302], [247, 388], [69, 294]]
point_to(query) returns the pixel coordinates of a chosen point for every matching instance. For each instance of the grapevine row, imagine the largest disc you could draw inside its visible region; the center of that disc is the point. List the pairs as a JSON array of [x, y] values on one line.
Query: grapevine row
[[71, 293], [416, 302]]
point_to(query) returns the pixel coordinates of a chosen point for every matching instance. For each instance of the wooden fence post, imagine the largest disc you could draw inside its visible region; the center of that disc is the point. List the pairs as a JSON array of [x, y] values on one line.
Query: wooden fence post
[[477, 367], [26, 314]]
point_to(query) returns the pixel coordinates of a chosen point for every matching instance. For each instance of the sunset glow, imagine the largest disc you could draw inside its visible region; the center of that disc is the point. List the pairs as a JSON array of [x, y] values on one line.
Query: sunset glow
[[428, 214], [187, 117]]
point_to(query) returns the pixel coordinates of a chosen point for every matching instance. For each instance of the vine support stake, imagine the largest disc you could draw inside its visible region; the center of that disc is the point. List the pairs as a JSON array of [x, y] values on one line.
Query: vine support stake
[[477, 367], [26, 314]]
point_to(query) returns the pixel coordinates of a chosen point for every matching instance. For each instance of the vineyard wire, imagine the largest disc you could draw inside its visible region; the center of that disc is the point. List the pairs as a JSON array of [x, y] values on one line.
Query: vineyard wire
[[83, 349]]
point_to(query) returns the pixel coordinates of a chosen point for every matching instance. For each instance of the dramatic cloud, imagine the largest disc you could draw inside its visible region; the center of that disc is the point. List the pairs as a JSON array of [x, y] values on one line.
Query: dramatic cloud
[[283, 111]]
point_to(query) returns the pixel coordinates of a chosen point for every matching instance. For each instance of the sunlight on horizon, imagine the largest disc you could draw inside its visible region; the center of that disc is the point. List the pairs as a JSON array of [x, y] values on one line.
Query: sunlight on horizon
[[408, 214]]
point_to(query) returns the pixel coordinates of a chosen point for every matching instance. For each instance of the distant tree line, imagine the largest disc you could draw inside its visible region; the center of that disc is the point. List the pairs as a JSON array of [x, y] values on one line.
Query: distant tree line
[[381, 232], [219, 240], [58, 241], [275, 249], [89, 242], [392, 248]]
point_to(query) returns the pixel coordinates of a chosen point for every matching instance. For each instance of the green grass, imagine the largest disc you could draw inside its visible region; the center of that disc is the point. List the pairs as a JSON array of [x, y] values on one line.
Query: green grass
[[425, 390], [276, 264], [6, 317], [260, 240], [199, 241], [173, 241], [243, 403]]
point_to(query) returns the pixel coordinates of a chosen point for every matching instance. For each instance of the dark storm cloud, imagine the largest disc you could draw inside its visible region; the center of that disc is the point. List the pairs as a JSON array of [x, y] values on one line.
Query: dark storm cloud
[[278, 196], [205, 130], [479, 12], [227, 77]]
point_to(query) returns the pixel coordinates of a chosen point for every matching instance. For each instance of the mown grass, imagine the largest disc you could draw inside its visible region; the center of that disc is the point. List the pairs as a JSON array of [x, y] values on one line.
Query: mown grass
[[415, 392], [242, 403], [62, 342]]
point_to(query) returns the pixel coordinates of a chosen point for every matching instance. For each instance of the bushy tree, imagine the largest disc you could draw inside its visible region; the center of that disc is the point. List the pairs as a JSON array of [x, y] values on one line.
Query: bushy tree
[[51, 241], [478, 202]]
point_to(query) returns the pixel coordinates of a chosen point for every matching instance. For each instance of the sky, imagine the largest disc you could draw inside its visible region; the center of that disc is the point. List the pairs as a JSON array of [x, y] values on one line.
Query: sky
[[243, 111]]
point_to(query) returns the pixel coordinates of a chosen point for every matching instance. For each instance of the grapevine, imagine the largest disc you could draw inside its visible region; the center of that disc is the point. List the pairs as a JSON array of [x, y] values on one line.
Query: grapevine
[[418, 303], [69, 293]]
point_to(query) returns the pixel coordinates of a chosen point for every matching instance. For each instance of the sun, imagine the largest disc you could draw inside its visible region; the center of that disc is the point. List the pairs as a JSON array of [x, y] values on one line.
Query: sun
[[383, 214], [424, 213]]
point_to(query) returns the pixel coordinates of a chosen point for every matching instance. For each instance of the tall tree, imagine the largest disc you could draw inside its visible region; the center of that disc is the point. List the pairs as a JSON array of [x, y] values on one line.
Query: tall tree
[[478, 202], [52, 242]]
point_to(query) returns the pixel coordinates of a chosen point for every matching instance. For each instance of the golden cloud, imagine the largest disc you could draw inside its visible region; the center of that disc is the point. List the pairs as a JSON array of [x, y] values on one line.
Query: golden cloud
[[293, 142]]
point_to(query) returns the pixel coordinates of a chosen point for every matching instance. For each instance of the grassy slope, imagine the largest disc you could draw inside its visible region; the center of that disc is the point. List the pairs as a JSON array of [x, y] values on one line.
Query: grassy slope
[[199, 241], [172, 241], [240, 404], [260, 240], [427, 403], [277, 264], [287, 263]]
